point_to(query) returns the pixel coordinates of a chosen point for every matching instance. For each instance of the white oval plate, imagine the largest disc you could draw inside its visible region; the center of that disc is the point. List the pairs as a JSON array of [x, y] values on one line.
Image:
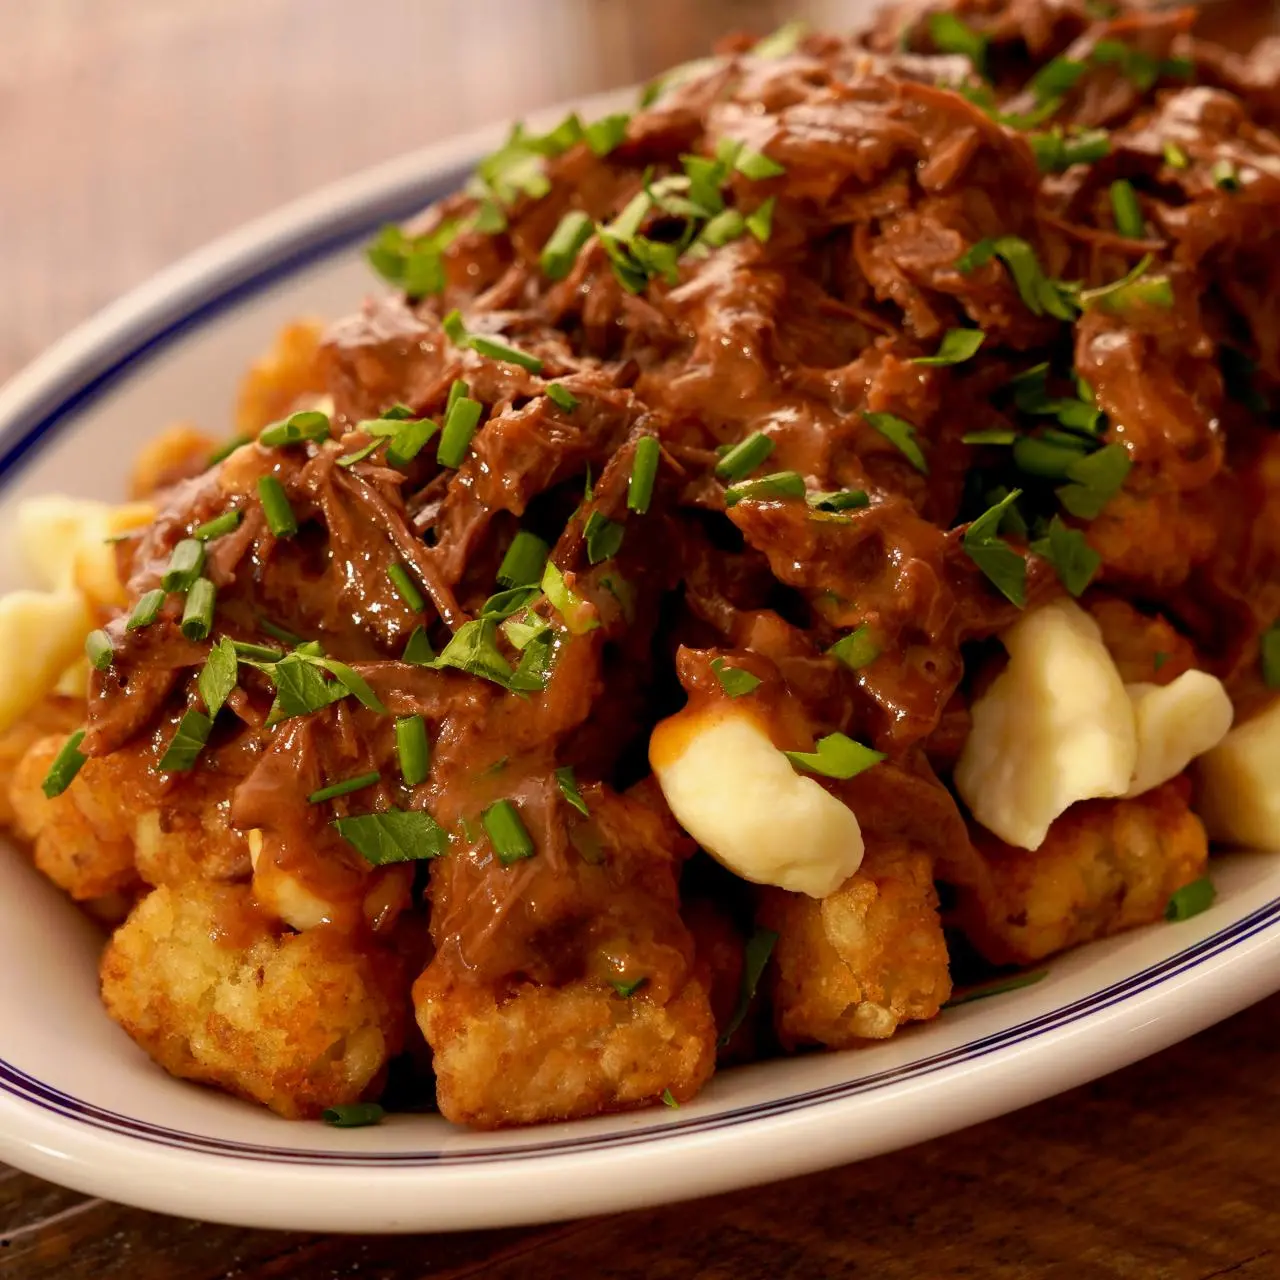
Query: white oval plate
[[80, 1104]]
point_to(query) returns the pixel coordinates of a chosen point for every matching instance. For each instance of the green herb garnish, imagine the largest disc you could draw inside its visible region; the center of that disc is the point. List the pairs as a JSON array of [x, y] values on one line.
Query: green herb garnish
[[1269, 654], [1096, 479], [413, 750], [188, 741], [1070, 554], [1191, 900], [561, 396], [1000, 988], [405, 587], [523, 563], [754, 958], [353, 1115], [951, 35], [197, 615], [604, 538], [146, 611], [562, 249], [1130, 220], [900, 433], [566, 602], [219, 674], [781, 484], [460, 426], [396, 835], [418, 650], [838, 500], [275, 506], [1174, 156], [218, 527], [644, 472], [856, 650], [957, 346], [1003, 566], [836, 756], [607, 133], [786, 39], [99, 649], [310, 424], [1041, 295], [507, 833], [185, 565], [744, 457], [568, 785], [66, 764], [345, 788], [736, 682], [412, 263]]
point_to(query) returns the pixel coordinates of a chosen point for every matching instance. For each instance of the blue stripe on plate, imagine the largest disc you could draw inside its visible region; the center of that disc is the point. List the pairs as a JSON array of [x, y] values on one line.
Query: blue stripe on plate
[[21, 439]]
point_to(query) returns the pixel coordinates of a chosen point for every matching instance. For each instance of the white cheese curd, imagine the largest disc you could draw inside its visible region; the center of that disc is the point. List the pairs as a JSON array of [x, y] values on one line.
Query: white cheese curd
[[1056, 726], [738, 796], [1239, 798], [41, 634], [283, 895], [1176, 723]]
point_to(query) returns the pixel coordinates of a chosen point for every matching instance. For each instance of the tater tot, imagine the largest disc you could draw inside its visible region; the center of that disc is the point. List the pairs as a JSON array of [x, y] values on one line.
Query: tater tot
[[214, 993], [1106, 866]]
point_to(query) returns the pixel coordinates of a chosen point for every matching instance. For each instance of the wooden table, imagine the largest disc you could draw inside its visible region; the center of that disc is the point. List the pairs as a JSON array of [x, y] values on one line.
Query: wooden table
[[134, 130]]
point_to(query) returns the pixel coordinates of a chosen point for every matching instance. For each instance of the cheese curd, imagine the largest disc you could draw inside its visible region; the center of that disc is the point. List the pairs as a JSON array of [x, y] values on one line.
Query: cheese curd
[[1176, 723], [1055, 727], [737, 795], [1058, 726], [1239, 799]]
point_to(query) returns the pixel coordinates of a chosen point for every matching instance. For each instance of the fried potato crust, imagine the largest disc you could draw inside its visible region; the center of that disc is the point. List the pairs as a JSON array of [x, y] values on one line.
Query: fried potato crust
[[52, 716], [560, 1053], [1106, 866], [861, 962], [214, 993]]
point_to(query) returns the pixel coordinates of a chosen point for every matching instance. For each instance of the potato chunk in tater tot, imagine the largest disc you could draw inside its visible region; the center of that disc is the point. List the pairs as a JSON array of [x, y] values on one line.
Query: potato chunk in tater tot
[[862, 961], [213, 993], [1106, 866]]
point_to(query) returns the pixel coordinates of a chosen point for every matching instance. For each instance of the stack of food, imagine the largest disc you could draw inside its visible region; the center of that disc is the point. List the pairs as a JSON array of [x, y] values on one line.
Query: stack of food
[[853, 472]]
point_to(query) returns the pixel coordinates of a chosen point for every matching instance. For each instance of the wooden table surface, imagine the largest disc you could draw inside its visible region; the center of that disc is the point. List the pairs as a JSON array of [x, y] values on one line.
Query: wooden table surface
[[134, 130]]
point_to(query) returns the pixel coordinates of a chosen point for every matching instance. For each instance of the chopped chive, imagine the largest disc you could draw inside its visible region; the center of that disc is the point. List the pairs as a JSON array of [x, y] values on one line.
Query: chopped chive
[[146, 611], [511, 841], [1226, 177], [902, 434], [418, 650], [1191, 900], [1095, 480], [497, 350], [256, 652], [283, 634], [197, 616], [309, 425], [1036, 457], [727, 225], [1000, 988], [353, 1115], [1158, 660], [760, 219], [627, 989], [1075, 561], [736, 682], [957, 346], [836, 756], [224, 451], [99, 650], [344, 788], [782, 484], [66, 764], [457, 390], [459, 430], [562, 249], [644, 471], [754, 959], [189, 739], [744, 457], [275, 506], [1174, 155], [838, 500], [413, 750], [185, 565], [409, 441], [856, 650], [523, 563], [786, 39], [568, 785], [218, 527], [406, 588], [358, 455], [1128, 212], [993, 435], [669, 1100], [757, 166], [562, 397]]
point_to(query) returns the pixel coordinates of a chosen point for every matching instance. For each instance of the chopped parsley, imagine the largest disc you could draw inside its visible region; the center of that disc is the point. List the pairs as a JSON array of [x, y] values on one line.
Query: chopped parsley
[[786, 39], [1095, 480], [396, 835], [999, 988], [836, 756], [755, 956], [952, 35], [568, 785], [736, 682], [414, 264], [188, 741], [1075, 561], [1041, 295], [218, 676], [957, 346], [353, 1115], [604, 538], [856, 650], [1003, 566], [577, 614], [902, 434]]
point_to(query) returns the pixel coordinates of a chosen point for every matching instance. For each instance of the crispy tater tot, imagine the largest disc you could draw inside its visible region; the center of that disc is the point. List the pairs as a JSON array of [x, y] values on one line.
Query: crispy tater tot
[[859, 963], [289, 372], [179, 453], [214, 993], [1106, 866], [81, 839], [1146, 650], [52, 716]]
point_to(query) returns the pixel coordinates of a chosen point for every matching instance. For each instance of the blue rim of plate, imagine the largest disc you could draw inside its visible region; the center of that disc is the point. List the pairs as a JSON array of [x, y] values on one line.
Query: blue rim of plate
[[35, 427]]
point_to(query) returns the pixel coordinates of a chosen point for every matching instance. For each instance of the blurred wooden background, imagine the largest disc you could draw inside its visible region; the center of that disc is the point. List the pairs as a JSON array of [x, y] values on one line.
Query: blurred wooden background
[[132, 131]]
